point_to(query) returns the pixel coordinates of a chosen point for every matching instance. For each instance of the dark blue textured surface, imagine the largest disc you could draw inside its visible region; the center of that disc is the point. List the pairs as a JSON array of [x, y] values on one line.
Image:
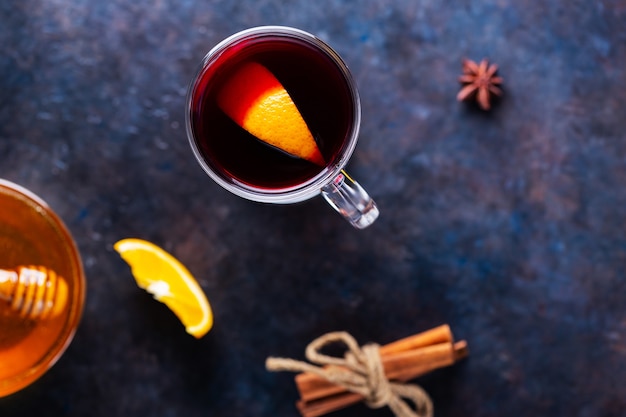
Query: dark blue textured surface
[[510, 226]]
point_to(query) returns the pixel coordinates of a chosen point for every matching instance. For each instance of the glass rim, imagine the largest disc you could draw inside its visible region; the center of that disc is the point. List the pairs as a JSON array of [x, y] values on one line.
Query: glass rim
[[312, 186]]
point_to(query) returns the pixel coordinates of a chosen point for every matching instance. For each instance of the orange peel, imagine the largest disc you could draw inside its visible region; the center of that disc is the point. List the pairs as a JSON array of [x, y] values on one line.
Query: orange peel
[[170, 282], [254, 99]]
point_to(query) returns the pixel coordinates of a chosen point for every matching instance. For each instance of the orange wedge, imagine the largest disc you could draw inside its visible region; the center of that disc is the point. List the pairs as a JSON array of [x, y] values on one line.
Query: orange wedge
[[254, 99], [163, 276]]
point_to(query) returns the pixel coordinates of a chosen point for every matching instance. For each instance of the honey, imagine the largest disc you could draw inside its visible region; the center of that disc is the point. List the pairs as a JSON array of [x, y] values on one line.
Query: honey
[[32, 234]]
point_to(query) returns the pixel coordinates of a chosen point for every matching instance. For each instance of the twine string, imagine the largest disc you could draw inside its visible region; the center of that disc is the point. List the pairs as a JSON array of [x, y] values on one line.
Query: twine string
[[360, 371]]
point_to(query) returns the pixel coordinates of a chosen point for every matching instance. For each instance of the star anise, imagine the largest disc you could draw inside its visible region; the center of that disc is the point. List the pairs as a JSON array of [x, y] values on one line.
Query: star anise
[[480, 82]]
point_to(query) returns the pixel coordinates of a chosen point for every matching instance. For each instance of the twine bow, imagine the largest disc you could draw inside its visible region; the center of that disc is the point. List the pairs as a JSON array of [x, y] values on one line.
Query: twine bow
[[360, 371]]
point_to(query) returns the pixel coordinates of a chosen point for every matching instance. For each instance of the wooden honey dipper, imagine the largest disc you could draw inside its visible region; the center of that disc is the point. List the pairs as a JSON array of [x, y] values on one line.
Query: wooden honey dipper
[[35, 292]]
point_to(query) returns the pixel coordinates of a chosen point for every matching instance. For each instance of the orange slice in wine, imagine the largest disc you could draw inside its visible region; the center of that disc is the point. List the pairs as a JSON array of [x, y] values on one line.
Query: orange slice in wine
[[254, 99]]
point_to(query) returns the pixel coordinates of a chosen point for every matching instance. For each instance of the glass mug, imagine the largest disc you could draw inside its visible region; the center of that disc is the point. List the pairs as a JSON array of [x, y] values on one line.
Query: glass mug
[[320, 85], [42, 288]]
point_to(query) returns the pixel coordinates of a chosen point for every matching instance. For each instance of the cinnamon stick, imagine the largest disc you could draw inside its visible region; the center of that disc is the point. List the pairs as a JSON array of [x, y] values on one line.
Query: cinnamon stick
[[440, 334], [460, 350], [396, 365], [327, 404]]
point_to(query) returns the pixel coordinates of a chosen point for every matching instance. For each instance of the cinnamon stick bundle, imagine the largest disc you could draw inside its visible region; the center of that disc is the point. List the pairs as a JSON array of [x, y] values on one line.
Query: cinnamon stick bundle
[[402, 361]]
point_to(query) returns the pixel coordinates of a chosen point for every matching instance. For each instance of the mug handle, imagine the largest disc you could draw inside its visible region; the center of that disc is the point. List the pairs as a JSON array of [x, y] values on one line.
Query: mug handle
[[350, 200]]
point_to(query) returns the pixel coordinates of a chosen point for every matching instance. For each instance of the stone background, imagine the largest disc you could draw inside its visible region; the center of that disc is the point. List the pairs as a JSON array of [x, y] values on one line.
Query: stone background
[[509, 225]]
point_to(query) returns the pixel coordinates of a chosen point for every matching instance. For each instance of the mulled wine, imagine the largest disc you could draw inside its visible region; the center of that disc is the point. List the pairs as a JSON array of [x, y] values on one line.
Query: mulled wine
[[317, 86]]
